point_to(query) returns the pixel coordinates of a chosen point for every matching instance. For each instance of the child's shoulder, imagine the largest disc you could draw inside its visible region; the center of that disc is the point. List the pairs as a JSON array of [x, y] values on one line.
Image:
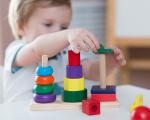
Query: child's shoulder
[[15, 44]]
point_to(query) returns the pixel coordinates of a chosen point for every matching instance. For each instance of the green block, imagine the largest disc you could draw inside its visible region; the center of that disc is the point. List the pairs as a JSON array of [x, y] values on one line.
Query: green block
[[103, 50], [43, 89], [74, 96]]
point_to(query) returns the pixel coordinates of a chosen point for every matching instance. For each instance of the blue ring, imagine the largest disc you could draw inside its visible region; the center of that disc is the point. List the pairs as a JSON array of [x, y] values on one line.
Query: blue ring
[[44, 71]]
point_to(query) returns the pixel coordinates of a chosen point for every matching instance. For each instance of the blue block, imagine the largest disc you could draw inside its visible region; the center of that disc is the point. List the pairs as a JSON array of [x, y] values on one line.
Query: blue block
[[98, 90], [44, 71]]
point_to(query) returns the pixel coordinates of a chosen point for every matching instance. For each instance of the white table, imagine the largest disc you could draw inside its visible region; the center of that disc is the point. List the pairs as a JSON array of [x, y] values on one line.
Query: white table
[[126, 95]]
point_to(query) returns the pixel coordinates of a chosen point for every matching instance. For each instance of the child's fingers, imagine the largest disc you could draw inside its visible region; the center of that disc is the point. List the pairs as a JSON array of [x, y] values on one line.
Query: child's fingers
[[76, 51], [75, 48], [117, 51], [120, 58], [83, 46], [90, 44], [93, 39]]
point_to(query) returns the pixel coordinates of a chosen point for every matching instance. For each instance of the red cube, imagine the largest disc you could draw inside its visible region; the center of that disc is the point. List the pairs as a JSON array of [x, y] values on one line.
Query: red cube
[[91, 107], [73, 58]]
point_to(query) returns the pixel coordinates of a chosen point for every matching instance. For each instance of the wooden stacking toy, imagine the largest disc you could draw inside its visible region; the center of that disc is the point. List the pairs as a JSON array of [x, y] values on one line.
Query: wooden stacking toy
[[75, 94], [103, 92], [43, 90], [74, 90]]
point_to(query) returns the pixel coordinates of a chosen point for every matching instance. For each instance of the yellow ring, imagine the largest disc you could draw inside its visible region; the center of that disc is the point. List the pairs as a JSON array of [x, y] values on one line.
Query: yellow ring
[[73, 84]]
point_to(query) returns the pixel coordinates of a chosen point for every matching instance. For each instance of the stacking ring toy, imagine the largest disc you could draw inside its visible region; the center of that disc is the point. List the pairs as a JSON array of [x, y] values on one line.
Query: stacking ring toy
[[44, 80], [44, 71], [44, 98], [43, 89]]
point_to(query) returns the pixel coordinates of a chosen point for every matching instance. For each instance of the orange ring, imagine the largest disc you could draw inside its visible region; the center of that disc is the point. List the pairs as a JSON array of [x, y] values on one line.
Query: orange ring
[[44, 80]]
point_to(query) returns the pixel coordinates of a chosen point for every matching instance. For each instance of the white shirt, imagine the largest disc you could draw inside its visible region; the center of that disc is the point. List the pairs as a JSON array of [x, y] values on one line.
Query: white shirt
[[18, 82]]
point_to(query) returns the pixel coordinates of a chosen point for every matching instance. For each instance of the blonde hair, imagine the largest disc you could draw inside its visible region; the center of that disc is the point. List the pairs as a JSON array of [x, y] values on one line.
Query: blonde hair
[[21, 10]]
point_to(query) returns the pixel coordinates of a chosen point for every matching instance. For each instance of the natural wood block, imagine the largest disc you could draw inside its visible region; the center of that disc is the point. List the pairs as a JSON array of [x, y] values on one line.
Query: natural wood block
[[60, 105]]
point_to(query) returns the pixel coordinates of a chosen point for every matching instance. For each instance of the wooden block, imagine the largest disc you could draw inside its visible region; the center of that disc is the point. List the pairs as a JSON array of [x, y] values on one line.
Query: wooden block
[[98, 90], [73, 58], [74, 96], [104, 97], [91, 107], [74, 72], [73, 84], [60, 105], [44, 80]]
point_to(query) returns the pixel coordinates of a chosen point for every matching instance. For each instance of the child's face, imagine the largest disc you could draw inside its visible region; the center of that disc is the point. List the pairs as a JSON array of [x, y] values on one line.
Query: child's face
[[47, 20]]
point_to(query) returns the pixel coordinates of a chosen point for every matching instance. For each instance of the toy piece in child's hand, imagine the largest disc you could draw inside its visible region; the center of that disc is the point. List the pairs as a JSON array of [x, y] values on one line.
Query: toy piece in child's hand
[[103, 50]]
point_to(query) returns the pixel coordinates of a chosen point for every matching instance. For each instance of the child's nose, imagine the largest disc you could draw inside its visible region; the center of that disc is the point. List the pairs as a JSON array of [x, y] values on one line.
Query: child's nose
[[56, 28]]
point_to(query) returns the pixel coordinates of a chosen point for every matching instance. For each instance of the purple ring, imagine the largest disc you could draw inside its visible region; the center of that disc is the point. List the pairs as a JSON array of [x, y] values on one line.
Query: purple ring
[[47, 98], [74, 71]]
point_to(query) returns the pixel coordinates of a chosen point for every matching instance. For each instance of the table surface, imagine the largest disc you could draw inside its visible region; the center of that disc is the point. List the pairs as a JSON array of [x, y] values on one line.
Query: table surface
[[125, 95]]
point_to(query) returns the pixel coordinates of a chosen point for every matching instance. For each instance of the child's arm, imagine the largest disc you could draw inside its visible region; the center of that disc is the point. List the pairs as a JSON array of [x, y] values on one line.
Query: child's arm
[[91, 67], [53, 43]]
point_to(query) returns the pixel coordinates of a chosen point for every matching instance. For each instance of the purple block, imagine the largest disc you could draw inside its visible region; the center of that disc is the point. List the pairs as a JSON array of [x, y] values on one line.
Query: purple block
[[74, 71], [47, 98]]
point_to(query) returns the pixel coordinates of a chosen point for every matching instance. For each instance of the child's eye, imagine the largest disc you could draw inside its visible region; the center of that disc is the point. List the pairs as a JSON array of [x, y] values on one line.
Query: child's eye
[[63, 27], [48, 24]]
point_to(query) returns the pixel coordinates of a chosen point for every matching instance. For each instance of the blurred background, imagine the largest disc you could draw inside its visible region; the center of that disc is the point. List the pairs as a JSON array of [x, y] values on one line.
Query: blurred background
[[124, 23]]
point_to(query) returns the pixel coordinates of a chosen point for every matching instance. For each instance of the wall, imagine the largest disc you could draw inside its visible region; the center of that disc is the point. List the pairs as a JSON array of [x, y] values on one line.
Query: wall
[[5, 32]]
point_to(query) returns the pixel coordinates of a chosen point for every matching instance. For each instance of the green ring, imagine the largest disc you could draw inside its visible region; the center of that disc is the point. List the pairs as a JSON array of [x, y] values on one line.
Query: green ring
[[74, 96], [43, 89]]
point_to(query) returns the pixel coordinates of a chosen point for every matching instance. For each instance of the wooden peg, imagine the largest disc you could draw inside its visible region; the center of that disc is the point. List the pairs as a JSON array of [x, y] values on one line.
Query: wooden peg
[[102, 68], [44, 60]]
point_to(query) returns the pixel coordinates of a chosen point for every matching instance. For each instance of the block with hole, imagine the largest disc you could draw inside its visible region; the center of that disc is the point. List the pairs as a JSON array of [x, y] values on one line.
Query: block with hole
[[91, 107]]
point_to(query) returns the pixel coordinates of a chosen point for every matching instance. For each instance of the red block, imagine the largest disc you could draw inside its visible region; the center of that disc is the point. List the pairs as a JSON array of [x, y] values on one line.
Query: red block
[[73, 58], [104, 97], [91, 107]]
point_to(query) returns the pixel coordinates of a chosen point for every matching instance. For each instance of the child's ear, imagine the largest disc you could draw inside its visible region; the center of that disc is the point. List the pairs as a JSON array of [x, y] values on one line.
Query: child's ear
[[20, 30]]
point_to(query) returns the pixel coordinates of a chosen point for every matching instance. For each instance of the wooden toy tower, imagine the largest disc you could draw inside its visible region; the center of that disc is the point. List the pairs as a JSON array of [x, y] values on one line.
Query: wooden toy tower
[[74, 90], [43, 90], [103, 92]]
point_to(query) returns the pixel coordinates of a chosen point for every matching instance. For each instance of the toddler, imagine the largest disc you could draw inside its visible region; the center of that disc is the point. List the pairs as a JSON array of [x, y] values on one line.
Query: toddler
[[40, 27]]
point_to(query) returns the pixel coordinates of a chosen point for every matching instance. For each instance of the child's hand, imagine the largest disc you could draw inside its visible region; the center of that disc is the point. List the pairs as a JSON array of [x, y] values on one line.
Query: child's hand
[[116, 59], [82, 39]]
